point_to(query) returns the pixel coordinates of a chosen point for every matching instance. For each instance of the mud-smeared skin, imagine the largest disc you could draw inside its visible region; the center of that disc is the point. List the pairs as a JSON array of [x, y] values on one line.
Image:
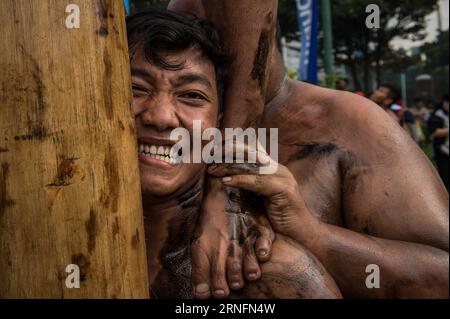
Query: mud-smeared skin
[[292, 273], [301, 276], [176, 254], [174, 280], [259, 64], [355, 168], [241, 223]]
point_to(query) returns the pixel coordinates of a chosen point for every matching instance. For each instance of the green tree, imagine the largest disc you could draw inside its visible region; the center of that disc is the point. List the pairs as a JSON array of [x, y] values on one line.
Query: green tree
[[436, 63], [360, 48]]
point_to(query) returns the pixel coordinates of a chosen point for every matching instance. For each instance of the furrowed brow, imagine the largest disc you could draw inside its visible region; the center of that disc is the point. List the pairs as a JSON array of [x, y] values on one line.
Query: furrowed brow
[[142, 73], [192, 78]]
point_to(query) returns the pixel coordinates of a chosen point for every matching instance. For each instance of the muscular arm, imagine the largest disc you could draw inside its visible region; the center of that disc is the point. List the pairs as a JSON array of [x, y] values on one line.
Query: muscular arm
[[395, 210], [407, 270], [440, 132], [248, 28]]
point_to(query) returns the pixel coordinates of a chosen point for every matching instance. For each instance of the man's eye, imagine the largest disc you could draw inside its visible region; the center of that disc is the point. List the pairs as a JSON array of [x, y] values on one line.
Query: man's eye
[[138, 91], [193, 96]]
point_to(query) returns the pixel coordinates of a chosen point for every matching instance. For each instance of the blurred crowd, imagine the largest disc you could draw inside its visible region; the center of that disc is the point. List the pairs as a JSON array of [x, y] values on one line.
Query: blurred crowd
[[426, 121]]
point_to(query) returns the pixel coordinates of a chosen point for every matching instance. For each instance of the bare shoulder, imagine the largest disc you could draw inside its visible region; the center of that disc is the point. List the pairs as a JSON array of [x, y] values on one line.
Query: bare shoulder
[[323, 115], [343, 111], [389, 187], [353, 124], [292, 273]]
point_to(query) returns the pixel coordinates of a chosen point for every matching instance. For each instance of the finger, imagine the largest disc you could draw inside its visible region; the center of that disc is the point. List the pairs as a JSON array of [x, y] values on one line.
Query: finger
[[238, 168], [218, 281], [225, 169], [263, 245], [234, 266], [260, 184], [262, 231], [251, 266], [239, 152], [200, 271]]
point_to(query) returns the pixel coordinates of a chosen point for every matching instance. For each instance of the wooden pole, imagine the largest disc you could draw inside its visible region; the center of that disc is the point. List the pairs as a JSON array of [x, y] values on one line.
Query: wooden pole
[[69, 178]]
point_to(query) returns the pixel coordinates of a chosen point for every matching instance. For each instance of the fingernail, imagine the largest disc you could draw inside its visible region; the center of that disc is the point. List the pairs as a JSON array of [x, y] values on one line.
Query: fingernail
[[252, 275], [262, 253], [227, 179], [219, 292], [202, 288]]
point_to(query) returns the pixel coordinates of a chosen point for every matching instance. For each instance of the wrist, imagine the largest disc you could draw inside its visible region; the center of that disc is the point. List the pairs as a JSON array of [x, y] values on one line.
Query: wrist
[[309, 230]]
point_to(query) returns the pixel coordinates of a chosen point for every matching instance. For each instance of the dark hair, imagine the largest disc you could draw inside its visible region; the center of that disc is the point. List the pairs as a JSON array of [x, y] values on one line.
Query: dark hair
[[394, 92], [159, 32], [445, 98]]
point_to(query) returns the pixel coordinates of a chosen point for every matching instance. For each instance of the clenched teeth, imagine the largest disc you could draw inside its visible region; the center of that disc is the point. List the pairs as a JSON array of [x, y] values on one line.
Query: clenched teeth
[[162, 153]]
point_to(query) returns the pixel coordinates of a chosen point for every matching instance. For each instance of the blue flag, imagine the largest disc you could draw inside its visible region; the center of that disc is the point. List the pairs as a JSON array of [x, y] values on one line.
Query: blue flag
[[127, 6], [308, 19]]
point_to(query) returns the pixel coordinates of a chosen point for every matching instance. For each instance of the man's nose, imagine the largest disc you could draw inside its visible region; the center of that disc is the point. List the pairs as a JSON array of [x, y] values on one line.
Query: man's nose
[[160, 113]]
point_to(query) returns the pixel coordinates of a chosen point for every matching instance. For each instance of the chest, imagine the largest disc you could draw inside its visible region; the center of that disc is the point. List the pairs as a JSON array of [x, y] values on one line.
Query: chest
[[174, 279], [317, 171]]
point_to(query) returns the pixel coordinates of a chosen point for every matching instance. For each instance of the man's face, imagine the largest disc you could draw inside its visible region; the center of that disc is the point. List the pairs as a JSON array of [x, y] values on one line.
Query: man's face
[[381, 96], [164, 100]]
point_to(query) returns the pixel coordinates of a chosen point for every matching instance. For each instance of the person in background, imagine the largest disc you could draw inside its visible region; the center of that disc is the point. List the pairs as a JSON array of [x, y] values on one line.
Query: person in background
[[414, 120], [386, 96], [438, 128], [408, 122], [342, 84], [420, 111]]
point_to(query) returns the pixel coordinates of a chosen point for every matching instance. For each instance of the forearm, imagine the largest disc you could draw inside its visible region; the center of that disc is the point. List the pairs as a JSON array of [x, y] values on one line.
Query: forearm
[[407, 270], [439, 133], [248, 28]]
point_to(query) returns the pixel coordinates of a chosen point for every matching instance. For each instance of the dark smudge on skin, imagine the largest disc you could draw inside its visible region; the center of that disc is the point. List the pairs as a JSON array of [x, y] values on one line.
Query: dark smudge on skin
[[175, 256], [261, 55]]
